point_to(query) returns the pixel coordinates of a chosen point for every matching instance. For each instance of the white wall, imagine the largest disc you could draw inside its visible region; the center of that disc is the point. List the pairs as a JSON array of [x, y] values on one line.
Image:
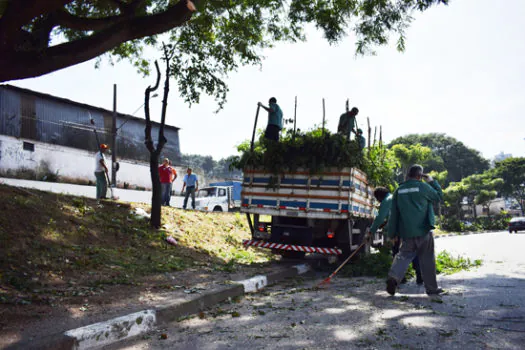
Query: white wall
[[74, 163]]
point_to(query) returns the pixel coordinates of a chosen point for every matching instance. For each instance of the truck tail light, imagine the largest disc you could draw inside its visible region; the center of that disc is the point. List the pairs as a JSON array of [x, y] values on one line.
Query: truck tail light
[[330, 234], [261, 228]]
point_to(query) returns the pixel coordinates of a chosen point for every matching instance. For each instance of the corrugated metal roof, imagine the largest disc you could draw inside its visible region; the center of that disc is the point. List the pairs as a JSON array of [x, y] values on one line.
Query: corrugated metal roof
[[79, 104]]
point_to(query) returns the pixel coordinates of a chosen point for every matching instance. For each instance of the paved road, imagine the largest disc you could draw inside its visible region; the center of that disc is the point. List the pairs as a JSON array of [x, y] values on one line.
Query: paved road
[[87, 191], [485, 309]]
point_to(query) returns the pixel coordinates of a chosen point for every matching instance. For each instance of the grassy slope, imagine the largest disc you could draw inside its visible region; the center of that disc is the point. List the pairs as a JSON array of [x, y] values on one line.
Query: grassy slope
[[49, 240]]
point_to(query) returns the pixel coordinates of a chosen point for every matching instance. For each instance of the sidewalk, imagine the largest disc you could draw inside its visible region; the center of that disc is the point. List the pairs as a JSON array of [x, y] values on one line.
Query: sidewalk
[[126, 311], [87, 191]]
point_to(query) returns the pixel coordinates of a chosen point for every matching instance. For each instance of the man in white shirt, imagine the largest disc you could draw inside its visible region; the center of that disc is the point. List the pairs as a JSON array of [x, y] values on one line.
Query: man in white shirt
[[101, 171]]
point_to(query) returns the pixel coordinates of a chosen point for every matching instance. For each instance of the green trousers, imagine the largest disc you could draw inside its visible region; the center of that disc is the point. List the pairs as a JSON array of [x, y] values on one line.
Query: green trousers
[[102, 184]]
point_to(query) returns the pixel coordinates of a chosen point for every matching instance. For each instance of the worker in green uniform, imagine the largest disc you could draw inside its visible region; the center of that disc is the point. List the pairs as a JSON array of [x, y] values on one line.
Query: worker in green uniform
[[412, 219], [347, 123], [361, 139], [383, 196]]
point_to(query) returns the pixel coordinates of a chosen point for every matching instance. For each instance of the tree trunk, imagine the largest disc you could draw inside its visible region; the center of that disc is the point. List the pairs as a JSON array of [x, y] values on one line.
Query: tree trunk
[[156, 197]]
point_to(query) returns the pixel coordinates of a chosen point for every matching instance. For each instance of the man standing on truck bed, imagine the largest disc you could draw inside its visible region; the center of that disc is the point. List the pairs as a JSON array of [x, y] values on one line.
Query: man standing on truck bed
[[412, 220], [275, 119], [347, 123], [191, 184]]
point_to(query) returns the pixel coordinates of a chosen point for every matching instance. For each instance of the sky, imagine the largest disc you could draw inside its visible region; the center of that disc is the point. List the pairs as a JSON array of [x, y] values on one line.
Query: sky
[[462, 74]]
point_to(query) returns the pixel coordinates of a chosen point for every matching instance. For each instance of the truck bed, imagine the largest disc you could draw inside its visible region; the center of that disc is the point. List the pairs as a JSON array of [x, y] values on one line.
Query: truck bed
[[334, 194]]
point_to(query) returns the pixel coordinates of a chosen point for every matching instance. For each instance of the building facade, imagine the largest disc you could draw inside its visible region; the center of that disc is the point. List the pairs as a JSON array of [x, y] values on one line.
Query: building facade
[[40, 130]]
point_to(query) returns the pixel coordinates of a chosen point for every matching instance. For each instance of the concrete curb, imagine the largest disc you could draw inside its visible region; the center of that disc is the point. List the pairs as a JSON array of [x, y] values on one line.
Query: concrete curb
[[465, 233], [101, 334]]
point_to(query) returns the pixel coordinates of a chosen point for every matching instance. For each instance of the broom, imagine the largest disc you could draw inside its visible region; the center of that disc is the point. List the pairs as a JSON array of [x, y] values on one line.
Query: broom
[[329, 278]]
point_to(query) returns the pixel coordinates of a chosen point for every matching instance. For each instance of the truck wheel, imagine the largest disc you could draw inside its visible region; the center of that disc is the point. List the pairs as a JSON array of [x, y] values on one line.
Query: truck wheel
[[290, 254], [217, 208]]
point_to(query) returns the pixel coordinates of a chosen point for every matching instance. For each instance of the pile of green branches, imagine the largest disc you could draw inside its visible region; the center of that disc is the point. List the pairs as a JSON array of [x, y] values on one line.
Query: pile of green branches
[[314, 150]]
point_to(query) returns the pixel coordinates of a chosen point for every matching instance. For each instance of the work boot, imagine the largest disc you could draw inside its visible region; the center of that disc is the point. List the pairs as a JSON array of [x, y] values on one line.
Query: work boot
[[439, 291], [391, 285]]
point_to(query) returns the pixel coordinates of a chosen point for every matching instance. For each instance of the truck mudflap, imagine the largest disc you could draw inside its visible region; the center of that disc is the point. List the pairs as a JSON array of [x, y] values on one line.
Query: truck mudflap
[[291, 247]]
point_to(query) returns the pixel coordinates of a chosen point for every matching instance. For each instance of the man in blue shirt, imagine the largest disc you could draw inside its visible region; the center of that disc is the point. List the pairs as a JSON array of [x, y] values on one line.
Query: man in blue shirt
[[191, 184], [275, 119]]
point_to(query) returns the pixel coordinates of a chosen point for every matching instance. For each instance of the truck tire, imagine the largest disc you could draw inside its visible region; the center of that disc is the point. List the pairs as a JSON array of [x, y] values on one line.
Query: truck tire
[[217, 208]]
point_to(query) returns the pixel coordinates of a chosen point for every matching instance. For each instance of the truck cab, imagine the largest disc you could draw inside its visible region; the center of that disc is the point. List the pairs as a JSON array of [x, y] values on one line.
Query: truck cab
[[224, 196]]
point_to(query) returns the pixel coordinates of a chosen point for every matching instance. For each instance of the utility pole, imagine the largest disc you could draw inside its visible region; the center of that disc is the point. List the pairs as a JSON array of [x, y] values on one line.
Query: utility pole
[[114, 138]]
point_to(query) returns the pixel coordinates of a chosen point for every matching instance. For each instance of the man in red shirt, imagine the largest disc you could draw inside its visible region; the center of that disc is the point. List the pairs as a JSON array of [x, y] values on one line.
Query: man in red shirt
[[173, 177], [166, 176]]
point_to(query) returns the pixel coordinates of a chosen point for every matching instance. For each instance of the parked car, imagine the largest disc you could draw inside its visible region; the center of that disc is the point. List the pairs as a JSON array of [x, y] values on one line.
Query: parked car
[[517, 224]]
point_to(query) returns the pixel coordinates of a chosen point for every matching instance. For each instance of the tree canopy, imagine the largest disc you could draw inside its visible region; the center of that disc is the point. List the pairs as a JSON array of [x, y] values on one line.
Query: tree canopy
[[38, 37], [512, 171], [459, 160], [409, 155]]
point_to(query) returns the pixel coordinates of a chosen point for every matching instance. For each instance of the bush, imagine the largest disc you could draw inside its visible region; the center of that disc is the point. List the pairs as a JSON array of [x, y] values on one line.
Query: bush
[[497, 222], [447, 264]]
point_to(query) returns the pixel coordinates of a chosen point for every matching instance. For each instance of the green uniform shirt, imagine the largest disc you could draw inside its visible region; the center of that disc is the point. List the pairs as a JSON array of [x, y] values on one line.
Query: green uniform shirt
[[275, 115], [346, 124], [362, 141], [382, 215], [412, 214]]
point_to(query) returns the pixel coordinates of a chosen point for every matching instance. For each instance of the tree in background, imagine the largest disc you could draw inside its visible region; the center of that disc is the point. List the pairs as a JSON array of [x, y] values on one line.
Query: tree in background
[[453, 197], [480, 189], [380, 164], [459, 160], [38, 37], [211, 168], [441, 177], [489, 190], [512, 171], [414, 154]]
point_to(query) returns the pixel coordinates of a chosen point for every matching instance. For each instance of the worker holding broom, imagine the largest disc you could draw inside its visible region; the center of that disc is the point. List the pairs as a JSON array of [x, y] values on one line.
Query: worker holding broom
[[383, 196], [101, 171], [412, 220]]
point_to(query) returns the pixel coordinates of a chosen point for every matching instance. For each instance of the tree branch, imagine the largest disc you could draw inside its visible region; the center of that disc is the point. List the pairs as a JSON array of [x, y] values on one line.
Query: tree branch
[[19, 13], [168, 53], [19, 65], [147, 131], [67, 20]]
